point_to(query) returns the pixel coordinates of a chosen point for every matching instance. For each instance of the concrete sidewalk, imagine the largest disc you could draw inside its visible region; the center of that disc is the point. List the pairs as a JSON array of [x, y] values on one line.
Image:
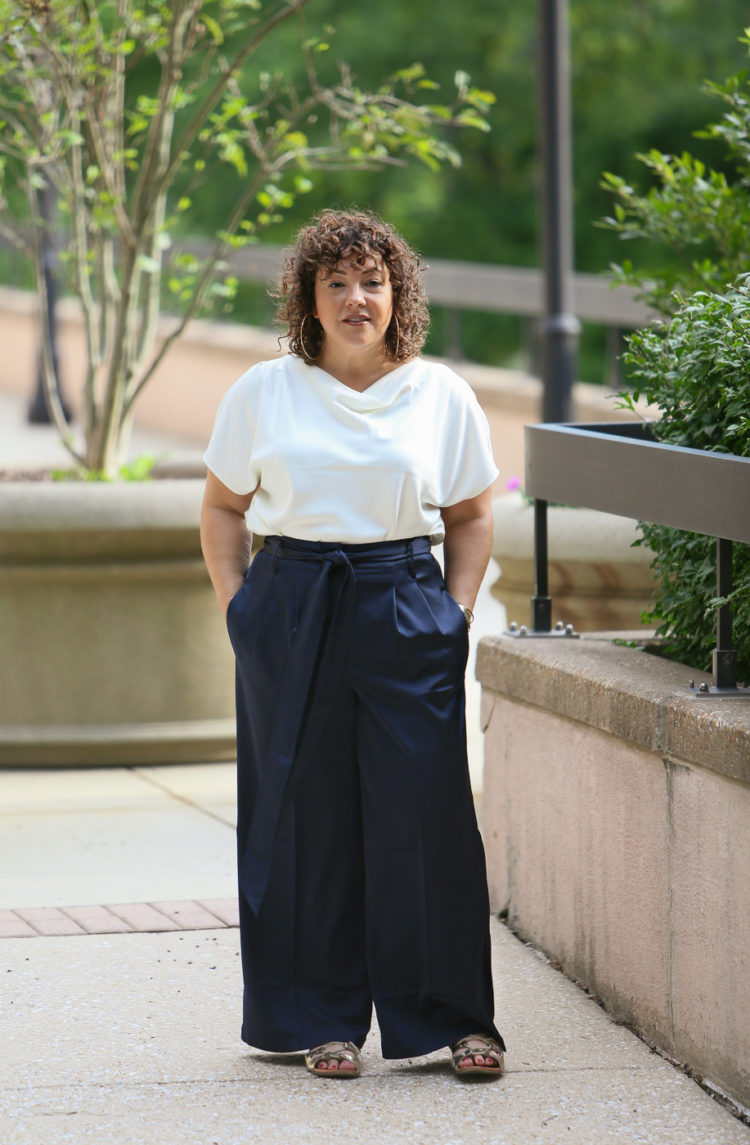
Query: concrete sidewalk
[[132, 1036]]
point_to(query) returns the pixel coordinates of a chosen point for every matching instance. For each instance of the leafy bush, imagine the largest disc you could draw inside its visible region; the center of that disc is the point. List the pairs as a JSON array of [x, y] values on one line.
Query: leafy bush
[[697, 216], [696, 368], [695, 364]]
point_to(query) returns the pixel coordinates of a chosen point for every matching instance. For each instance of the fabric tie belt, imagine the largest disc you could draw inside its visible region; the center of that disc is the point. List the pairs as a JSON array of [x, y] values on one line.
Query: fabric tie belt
[[321, 632]]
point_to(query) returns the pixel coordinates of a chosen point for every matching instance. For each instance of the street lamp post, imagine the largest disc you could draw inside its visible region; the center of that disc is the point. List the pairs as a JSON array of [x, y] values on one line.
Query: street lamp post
[[560, 327]]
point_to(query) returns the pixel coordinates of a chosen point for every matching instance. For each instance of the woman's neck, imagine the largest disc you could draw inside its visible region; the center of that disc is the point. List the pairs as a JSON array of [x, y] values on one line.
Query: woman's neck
[[357, 371]]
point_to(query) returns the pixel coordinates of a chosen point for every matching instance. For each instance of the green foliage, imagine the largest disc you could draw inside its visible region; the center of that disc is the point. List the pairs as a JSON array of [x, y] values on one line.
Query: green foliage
[[129, 110], [696, 368], [636, 75], [139, 469], [636, 71], [696, 214], [695, 364], [696, 217]]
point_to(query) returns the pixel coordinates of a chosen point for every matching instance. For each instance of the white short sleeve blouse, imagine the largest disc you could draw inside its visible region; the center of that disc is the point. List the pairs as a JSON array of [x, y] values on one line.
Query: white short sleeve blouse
[[330, 464]]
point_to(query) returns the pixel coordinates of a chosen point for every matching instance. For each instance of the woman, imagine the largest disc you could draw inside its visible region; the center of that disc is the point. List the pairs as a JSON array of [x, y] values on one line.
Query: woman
[[361, 869]]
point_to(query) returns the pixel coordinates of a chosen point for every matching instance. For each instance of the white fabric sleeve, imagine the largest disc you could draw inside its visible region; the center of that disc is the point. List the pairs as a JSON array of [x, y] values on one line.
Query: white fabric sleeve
[[468, 467], [230, 451]]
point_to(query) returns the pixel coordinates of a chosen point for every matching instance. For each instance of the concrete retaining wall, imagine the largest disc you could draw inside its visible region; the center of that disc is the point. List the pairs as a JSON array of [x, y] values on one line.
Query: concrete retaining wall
[[617, 825]]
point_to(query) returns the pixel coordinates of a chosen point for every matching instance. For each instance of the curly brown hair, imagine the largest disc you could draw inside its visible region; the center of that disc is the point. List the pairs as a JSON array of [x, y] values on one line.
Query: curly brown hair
[[359, 235]]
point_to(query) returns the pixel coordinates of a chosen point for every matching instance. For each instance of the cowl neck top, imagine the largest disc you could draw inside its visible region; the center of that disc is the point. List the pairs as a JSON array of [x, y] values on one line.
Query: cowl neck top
[[379, 394], [329, 463]]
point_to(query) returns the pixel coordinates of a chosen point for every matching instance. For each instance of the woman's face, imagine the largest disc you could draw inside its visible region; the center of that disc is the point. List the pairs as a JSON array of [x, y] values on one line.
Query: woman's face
[[354, 305]]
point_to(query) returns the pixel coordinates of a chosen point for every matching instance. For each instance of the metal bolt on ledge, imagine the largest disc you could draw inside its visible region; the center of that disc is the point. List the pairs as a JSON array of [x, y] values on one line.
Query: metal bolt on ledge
[[522, 630]]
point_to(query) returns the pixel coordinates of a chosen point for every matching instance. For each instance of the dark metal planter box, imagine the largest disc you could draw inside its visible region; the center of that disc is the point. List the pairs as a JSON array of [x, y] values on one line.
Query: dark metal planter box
[[619, 468]]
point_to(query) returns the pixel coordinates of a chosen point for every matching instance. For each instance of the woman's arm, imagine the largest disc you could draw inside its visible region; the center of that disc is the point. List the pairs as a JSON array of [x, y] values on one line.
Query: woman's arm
[[225, 539], [468, 546]]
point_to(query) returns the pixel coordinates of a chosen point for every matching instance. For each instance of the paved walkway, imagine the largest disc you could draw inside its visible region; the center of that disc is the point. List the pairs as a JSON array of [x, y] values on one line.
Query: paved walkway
[[129, 1033], [121, 988]]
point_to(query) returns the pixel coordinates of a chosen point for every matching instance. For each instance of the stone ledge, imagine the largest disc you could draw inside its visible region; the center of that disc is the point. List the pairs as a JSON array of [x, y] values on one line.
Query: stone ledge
[[617, 690], [131, 744], [45, 522]]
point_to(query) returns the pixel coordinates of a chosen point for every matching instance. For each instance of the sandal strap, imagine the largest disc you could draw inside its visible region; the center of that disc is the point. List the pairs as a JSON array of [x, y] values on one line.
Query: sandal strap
[[474, 1044], [345, 1051]]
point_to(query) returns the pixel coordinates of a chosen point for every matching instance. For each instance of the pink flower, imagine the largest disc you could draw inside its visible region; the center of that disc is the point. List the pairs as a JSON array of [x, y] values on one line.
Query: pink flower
[[512, 484]]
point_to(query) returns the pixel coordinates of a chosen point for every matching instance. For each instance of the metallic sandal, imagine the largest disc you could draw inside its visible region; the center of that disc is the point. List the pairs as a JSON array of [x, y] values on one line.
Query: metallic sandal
[[472, 1045], [342, 1051]]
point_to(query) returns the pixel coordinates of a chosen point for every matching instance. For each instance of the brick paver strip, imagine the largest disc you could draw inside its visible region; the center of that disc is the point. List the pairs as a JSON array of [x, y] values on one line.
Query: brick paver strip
[[12, 926], [228, 910], [98, 920], [50, 921], [119, 918], [190, 915], [143, 917]]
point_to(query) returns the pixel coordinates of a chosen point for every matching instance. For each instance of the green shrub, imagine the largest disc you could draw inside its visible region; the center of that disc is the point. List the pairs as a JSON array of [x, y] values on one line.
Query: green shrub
[[695, 365], [696, 217], [696, 368]]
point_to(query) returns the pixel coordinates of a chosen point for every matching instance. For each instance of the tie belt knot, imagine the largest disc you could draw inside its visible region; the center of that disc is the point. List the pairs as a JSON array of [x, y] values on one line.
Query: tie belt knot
[[337, 557]]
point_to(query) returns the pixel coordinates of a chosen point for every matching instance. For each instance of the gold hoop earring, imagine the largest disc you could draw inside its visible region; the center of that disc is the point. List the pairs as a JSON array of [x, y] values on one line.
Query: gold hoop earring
[[305, 351], [398, 337]]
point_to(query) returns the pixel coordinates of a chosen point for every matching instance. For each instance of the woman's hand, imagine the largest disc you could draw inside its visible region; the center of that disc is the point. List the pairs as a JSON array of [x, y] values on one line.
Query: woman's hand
[[468, 546], [225, 539]]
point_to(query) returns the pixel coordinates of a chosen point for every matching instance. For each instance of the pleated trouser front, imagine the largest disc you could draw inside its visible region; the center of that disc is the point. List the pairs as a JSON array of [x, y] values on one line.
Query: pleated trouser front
[[361, 869]]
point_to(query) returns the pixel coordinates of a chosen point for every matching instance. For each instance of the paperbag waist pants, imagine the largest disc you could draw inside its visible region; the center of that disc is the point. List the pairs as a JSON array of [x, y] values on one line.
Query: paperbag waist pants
[[361, 869]]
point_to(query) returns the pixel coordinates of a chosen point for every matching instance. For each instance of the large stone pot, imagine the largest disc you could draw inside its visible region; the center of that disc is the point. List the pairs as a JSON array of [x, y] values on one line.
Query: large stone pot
[[597, 580], [113, 648]]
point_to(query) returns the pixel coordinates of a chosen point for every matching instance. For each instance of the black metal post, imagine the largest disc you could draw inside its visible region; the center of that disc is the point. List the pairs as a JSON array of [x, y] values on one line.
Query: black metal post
[[541, 603], [724, 656], [38, 414], [560, 328]]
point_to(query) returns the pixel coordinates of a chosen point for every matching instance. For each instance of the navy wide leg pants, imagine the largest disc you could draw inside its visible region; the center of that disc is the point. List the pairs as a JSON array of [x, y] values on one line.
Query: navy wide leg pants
[[361, 868]]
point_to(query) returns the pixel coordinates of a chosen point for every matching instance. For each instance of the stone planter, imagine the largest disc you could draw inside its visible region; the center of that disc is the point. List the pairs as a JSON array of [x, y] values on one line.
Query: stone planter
[[597, 580], [114, 651], [616, 818]]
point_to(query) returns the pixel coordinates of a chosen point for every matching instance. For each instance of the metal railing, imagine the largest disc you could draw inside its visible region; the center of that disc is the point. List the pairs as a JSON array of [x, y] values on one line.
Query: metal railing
[[473, 286], [456, 286], [620, 469]]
